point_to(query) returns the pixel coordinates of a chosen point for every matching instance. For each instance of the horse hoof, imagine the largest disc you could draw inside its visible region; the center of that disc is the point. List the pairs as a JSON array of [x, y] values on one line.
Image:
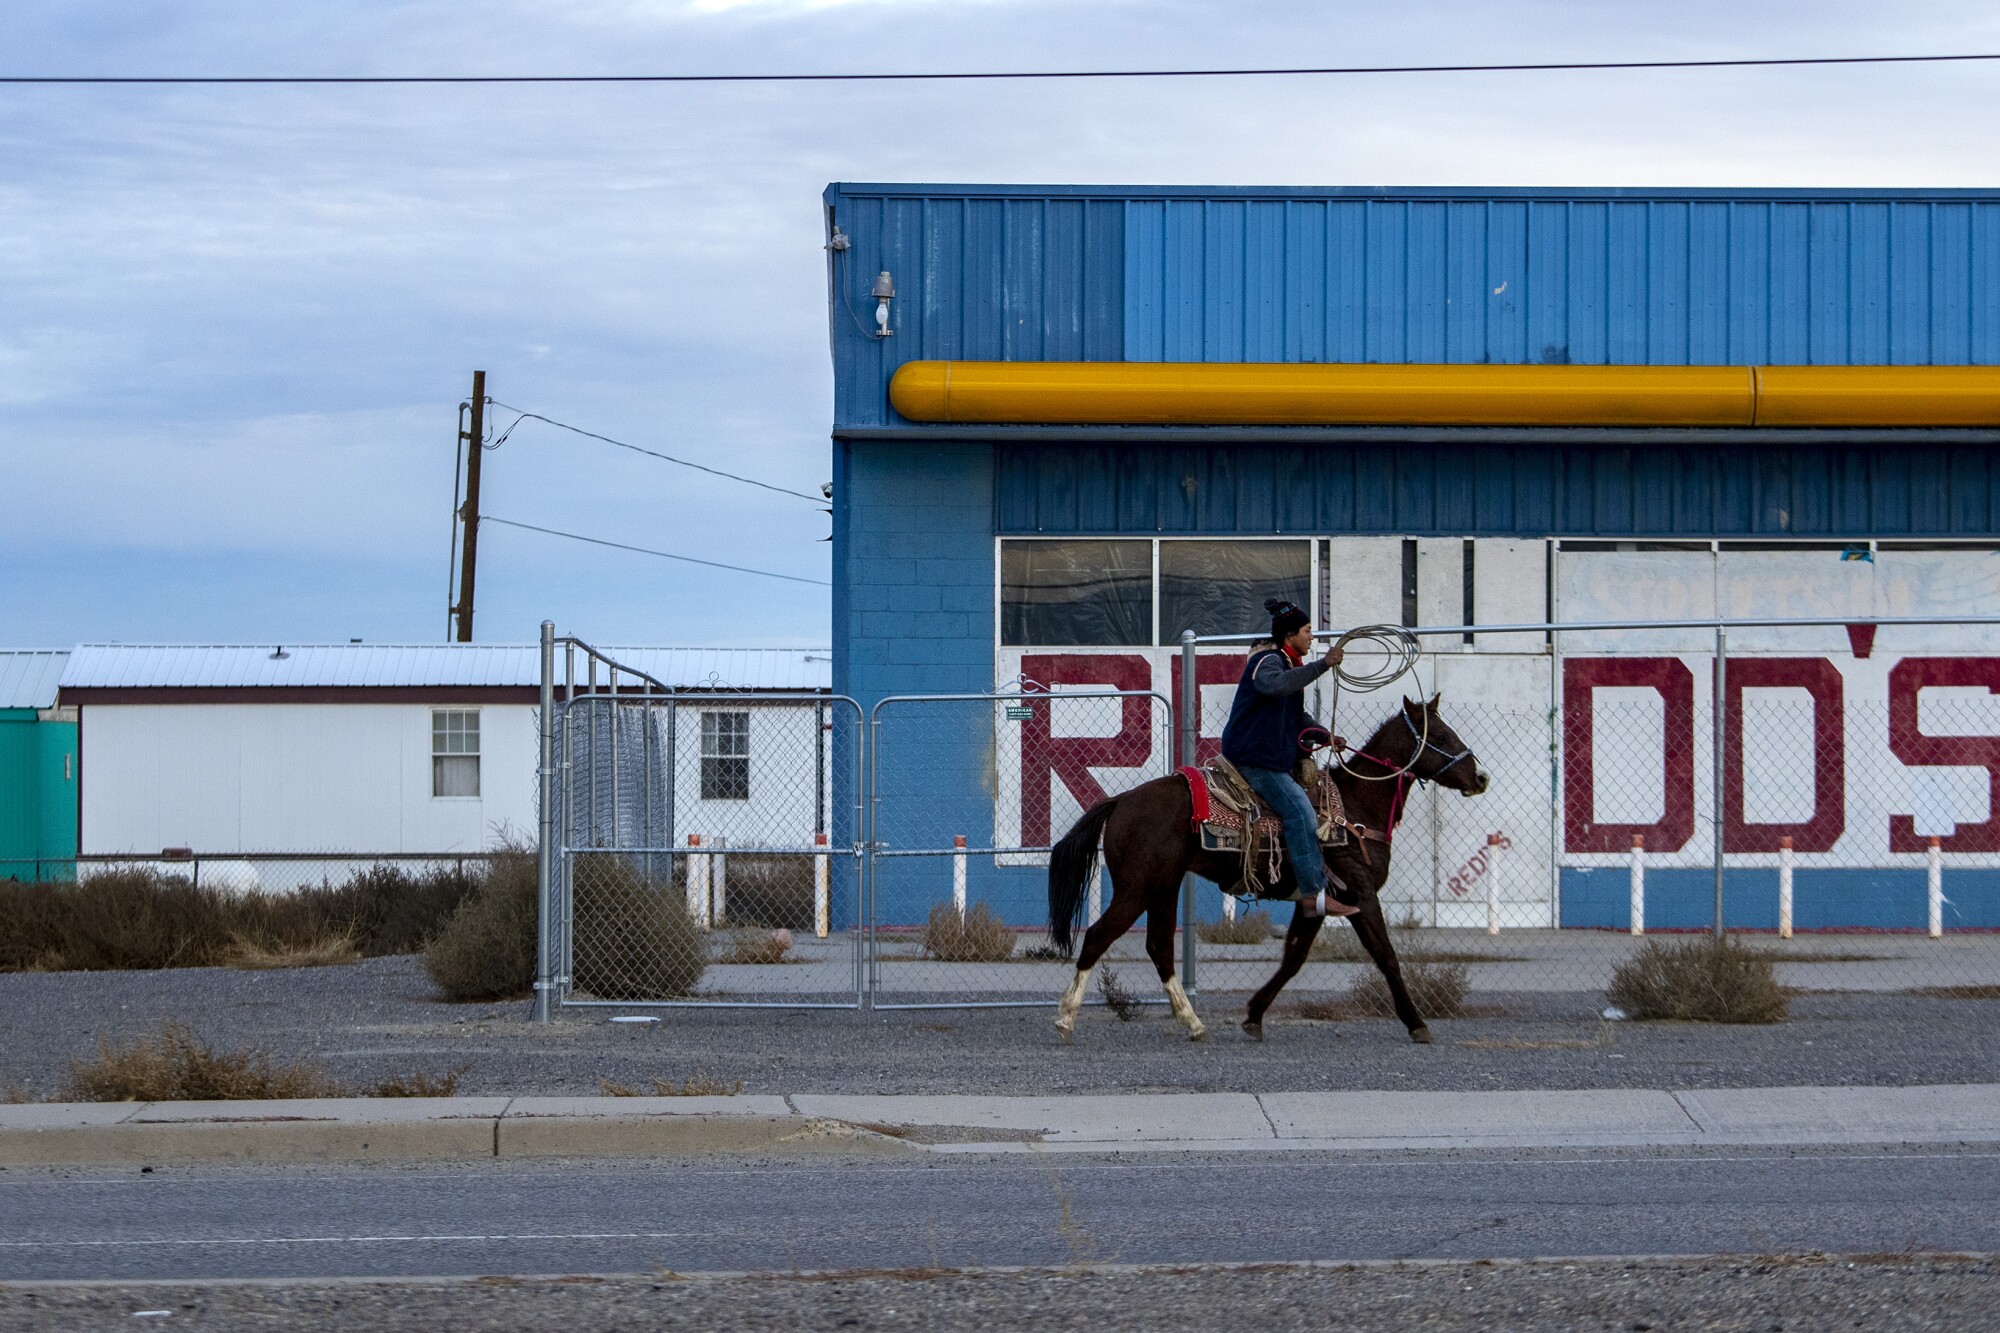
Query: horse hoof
[[1197, 1033], [1066, 1031], [1421, 1036], [1253, 1030]]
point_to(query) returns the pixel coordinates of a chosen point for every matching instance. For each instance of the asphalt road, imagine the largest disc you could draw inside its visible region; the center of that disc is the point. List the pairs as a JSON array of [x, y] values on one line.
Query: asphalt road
[[546, 1218]]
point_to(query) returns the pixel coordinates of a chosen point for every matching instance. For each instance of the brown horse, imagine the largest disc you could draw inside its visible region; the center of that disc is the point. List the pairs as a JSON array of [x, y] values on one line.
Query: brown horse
[[1150, 843]]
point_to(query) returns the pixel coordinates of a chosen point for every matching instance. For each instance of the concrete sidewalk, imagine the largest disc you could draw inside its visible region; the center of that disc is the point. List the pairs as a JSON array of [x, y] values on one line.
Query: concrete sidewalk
[[488, 1127]]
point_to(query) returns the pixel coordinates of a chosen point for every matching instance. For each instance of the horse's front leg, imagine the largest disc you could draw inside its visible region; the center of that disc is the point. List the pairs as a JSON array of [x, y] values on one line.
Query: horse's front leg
[[1161, 915], [1374, 932], [1299, 937]]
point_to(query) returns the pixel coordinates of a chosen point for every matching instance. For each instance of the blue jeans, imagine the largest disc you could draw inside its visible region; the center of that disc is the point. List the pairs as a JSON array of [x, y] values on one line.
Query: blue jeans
[[1288, 801]]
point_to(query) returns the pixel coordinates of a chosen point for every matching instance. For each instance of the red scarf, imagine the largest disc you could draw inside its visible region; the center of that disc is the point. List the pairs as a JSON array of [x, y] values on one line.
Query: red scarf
[[1296, 659]]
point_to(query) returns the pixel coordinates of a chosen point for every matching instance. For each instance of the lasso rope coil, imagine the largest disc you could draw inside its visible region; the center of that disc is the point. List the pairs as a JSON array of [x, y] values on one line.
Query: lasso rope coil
[[1400, 651]]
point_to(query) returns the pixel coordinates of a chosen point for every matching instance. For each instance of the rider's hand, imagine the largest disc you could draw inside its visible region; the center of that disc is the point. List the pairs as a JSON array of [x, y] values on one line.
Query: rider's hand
[[1335, 656]]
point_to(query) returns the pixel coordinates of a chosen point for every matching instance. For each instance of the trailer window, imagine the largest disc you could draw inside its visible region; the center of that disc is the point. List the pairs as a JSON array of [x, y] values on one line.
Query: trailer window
[[725, 756], [455, 752]]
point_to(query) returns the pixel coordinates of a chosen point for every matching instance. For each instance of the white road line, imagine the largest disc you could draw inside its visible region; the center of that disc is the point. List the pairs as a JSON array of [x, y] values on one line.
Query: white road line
[[344, 1240]]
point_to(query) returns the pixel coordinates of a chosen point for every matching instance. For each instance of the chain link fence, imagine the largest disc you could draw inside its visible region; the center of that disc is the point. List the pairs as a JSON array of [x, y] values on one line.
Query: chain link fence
[[695, 851], [966, 795], [238, 874], [904, 853]]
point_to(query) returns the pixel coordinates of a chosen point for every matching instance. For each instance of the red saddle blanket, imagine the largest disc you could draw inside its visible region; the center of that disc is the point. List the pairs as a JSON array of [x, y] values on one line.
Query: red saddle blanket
[[1220, 818]]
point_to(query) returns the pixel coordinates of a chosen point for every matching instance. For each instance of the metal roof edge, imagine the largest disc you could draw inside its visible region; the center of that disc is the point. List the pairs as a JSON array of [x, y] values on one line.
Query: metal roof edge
[[1552, 193], [1607, 435]]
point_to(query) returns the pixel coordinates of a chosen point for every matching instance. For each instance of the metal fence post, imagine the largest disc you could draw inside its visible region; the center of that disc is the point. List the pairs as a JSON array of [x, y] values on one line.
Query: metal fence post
[[870, 799], [545, 953], [1190, 741], [1716, 764]]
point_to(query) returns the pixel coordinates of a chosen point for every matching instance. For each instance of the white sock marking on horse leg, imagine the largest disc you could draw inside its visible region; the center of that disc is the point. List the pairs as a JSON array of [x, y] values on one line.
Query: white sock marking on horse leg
[[1184, 1009], [1072, 1001]]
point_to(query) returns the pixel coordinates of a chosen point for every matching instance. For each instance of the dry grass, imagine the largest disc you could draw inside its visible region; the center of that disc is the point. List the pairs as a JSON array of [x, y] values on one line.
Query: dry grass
[[331, 951], [486, 950], [1959, 992], [634, 937], [757, 946], [976, 936], [142, 918], [1701, 980], [1117, 999], [1253, 927], [1437, 989], [698, 1084], [174, 1065], [420, 1084], [1043, 953]]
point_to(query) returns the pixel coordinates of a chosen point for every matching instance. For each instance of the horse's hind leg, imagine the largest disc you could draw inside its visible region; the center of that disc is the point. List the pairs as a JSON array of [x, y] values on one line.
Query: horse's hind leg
[[1160, 914], [1298, 947], [1117, 919], [1374, 932]]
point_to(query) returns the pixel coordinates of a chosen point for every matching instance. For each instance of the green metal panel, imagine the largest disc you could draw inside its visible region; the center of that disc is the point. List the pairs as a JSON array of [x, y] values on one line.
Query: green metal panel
[[38, 763]]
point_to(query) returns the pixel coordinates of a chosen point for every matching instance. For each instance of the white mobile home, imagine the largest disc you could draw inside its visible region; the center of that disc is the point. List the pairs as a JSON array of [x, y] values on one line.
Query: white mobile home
[[362, 749]]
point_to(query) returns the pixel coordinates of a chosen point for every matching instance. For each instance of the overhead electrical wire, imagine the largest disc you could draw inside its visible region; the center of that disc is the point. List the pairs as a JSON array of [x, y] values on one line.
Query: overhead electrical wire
[[1516, 67], [525, 415], [644, 550]]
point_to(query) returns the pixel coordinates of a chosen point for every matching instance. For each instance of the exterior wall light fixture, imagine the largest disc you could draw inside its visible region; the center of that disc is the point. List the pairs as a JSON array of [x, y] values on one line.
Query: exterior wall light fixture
[[884, 291]]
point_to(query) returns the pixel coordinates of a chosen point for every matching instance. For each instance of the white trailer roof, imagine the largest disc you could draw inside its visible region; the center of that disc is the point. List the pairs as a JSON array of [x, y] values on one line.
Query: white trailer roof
[[28, 676], [364, 665]]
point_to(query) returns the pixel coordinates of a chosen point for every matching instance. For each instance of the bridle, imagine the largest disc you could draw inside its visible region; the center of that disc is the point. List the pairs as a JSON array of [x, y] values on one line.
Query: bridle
[[1401, 774]]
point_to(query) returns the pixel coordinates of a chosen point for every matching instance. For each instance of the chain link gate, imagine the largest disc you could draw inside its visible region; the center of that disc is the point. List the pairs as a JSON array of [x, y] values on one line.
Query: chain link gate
[[966, 795], [701, 846]]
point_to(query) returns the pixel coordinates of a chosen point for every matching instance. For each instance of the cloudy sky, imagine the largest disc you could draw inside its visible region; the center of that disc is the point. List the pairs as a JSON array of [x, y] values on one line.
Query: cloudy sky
[[235, 324]]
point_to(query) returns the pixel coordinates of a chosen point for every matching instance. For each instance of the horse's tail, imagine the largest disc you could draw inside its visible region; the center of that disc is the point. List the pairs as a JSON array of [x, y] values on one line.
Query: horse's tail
[[1070, 864]]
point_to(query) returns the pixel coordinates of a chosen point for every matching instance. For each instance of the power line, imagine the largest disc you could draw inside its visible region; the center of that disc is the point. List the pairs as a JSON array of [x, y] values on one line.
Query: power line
[[1523, 67], [650, 453], [664, 555]]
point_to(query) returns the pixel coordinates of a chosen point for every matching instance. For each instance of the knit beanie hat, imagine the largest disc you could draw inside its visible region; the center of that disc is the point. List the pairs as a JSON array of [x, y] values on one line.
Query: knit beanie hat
[[1286, 619]]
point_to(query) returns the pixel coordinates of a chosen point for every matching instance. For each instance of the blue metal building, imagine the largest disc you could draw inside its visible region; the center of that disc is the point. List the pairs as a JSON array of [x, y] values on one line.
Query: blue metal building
[[1372, 275]]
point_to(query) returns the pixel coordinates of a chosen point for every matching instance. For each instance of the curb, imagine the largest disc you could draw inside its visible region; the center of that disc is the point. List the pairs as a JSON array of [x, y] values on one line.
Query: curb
[[475, 1128]]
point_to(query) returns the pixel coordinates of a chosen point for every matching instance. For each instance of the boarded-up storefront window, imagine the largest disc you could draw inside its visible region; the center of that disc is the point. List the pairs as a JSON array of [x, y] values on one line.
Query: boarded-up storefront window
[[1219, 587], [1064, 593]]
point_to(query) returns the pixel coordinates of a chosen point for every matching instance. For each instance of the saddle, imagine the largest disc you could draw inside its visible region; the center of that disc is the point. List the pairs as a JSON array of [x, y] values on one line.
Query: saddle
[[1229, 818]]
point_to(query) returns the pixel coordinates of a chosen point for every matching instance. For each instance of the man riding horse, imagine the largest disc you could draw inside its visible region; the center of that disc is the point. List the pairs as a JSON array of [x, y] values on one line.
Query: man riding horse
[[1262, 741]]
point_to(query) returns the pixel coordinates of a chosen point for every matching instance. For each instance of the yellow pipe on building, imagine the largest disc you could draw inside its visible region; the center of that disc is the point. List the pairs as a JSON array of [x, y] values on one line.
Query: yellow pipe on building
[[1262, 394], [1878, 395]]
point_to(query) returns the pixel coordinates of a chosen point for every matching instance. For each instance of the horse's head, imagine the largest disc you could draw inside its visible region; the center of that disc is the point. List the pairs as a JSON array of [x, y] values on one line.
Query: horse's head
[[1436, 753]]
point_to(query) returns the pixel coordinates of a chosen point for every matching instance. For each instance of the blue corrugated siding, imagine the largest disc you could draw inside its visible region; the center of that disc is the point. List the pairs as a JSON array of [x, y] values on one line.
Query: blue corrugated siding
[[1511, 276], [1512, 280], [1843, 490]]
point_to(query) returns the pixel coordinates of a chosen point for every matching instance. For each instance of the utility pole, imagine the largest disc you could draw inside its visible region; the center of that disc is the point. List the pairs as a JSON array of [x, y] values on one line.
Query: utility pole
[[468, 559]]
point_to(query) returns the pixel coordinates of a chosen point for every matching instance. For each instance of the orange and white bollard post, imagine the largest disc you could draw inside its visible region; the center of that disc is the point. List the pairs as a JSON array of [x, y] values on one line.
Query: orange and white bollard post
[[1935, 856], [697, 883], [822, 887], [1638, 883], [958, 875], [1492, 884], [1785, 887]]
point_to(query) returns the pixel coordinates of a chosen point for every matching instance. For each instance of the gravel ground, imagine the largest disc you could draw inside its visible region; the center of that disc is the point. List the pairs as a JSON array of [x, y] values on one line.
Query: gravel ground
[[382, 1017], [1785, 1293]]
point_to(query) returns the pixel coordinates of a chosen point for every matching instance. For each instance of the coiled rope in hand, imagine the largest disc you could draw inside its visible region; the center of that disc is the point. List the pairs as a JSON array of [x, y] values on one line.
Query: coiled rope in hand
[[1399, 650]]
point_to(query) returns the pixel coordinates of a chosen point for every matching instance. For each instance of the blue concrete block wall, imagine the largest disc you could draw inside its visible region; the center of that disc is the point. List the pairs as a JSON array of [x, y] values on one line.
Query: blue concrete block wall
[[1833, 899]]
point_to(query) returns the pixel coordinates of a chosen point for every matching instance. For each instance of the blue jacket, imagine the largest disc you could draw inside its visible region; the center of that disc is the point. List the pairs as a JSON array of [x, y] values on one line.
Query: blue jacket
[[1269, 712]]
